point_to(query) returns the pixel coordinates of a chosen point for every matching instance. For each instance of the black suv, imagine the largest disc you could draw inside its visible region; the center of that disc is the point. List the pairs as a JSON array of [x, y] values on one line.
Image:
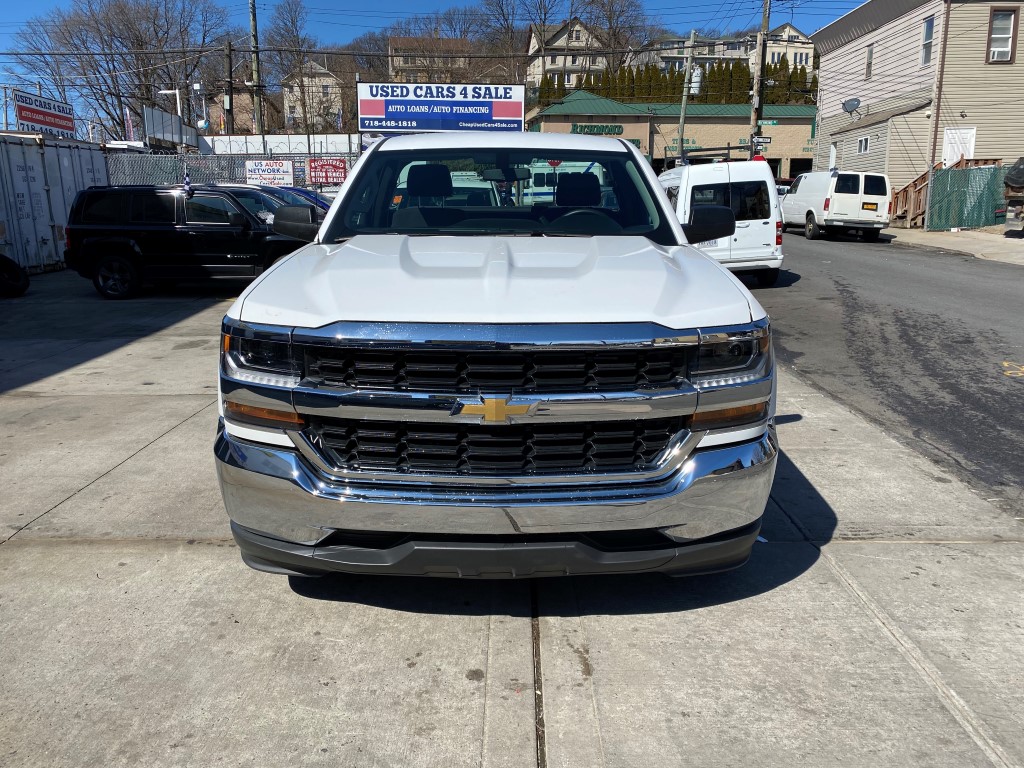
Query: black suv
[[120, 237]]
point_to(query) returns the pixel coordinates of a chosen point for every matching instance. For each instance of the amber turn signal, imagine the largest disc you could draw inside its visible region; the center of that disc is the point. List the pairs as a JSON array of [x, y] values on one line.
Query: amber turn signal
[[729, 417], [272, 417]]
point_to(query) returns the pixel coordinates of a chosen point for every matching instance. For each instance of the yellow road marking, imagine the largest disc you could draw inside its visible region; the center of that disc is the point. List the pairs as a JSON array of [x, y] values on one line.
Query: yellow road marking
[[1014, 370]]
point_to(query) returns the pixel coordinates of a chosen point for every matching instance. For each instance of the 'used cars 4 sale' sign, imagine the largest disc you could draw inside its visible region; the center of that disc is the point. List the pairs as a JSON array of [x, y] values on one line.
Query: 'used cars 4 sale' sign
[[37, 114], [400, 108]]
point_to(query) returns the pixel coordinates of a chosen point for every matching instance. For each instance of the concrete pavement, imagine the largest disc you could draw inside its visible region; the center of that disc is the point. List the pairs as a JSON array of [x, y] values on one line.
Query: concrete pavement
[[879, 623], [981, 245]]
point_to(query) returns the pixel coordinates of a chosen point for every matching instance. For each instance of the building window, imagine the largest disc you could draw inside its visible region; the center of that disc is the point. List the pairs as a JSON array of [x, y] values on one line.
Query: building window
[[553, 59], [575, 35], [575, 60], [325, 90], [863, 144], [1002, 36], [869, 55], [927, 33]]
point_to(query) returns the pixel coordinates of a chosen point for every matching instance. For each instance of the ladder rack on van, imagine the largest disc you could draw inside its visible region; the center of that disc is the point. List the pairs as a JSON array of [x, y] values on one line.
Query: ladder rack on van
[[710, 154]]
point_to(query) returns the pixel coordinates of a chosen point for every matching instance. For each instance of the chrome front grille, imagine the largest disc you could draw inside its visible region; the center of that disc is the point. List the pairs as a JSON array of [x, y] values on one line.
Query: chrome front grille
[[500, 450], [496, 371]]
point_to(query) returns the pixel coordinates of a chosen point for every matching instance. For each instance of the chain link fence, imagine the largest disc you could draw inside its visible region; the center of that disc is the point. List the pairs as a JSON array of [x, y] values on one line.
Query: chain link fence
[[206, 169], [966, 198]]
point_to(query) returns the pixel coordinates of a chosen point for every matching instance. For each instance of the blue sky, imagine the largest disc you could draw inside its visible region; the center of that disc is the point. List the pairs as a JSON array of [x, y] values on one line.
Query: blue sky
[[338, 21]]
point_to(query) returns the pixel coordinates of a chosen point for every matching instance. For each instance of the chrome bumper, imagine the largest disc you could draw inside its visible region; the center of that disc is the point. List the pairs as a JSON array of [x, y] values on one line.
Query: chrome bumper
[[276, 495]]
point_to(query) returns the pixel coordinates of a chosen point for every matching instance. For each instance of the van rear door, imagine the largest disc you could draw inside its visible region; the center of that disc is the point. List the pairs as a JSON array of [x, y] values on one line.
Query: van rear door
[[874, 202], [859, 197], [756, 208], [845, 201], [706, 185]]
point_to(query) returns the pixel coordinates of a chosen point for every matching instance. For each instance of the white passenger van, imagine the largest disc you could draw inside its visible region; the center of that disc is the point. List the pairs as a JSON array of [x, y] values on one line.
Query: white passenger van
[[834, 201], [748, 187], [540, 186]]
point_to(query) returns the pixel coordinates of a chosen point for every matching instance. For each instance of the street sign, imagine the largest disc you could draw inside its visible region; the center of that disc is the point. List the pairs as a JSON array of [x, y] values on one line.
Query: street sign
[[37, 114], [762, 139], [327, 170], [276, 173], [400, 108], [767, 122]]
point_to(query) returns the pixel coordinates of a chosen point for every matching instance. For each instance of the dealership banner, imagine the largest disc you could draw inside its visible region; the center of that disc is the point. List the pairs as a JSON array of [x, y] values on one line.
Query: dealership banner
[[275, 173], [400, 108], [37, 114], [327, 170]]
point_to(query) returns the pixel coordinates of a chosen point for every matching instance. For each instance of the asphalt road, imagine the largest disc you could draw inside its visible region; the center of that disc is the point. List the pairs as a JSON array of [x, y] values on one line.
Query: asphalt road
[[927, 344]]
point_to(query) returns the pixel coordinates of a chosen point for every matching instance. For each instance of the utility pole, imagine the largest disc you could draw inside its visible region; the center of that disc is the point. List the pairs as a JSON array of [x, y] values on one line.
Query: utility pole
[[257, 93], [5, 108], [757, 108], [686, 91], [229, 92]]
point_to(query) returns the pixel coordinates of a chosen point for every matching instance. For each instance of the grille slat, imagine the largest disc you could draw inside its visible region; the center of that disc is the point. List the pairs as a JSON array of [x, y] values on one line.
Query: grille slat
[[500, 450], [538, 372]]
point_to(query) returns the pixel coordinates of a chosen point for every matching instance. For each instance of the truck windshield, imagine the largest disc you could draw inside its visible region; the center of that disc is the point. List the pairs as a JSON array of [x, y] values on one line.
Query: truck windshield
[[501, 192]]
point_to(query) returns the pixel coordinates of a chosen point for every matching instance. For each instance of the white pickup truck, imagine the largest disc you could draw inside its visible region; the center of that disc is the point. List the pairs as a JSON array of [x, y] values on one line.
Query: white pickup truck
[[520, 390]]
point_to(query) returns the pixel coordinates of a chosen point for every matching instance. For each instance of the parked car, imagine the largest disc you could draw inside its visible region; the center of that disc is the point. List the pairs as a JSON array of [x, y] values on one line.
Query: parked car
[[254, 199], [836, 201], [310, 197], [121, 237], [748, 188], [497, 391]]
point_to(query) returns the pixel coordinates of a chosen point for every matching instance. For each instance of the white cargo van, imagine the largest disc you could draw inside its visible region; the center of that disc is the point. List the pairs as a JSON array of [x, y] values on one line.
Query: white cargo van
[[834, 201], [748, 187]]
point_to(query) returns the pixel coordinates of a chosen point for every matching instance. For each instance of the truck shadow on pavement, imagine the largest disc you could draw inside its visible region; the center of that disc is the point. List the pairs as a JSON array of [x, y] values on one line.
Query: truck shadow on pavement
[[62, 323], [797, 522]]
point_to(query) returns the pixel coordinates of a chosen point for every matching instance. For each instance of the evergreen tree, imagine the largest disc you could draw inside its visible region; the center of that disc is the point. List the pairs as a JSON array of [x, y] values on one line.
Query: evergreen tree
[[812, 97], [546, 92], [797, 86], [560, 89], [742, 82]]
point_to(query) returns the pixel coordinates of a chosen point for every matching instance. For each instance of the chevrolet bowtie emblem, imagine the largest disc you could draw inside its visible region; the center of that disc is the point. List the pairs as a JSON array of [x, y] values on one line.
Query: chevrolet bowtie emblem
[[493, 410]]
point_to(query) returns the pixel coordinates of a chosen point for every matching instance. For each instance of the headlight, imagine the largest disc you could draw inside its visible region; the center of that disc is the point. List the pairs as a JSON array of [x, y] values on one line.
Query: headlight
[[259, 360], [734, 356]]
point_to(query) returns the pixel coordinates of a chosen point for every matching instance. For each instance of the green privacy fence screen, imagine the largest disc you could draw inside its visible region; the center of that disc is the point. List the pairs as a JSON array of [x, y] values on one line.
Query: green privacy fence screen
[[966, 198]]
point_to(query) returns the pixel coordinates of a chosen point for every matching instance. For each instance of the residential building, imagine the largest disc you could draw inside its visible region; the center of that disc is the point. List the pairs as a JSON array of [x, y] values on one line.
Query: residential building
[[312, 99], [565, 52], [654, 128], [785, 40], [429, 59], [904, 84], [243, 111]]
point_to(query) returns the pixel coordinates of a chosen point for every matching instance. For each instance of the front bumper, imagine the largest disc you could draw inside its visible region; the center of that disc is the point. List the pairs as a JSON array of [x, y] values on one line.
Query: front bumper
[[287, 517]]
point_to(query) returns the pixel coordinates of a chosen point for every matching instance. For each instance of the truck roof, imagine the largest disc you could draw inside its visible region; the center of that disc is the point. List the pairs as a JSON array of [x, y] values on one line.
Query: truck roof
[[500, 140]]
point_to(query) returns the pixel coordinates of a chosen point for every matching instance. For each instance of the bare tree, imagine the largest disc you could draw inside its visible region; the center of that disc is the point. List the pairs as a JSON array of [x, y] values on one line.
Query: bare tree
[[286, 42], [505, 35], [624, 26], [541, 14], [121, 54]]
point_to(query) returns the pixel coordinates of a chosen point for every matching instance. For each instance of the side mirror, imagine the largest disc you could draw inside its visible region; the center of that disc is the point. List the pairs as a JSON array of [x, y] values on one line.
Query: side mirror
[[709, 222], [239, 220], [298, 221]]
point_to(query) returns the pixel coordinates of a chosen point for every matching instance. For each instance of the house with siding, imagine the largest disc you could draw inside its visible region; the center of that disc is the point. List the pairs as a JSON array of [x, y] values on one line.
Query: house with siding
[[565, 52], [904, 84]]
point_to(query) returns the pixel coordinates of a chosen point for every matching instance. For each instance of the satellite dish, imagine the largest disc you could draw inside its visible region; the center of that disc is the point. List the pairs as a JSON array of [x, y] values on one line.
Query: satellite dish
[[850, 106]]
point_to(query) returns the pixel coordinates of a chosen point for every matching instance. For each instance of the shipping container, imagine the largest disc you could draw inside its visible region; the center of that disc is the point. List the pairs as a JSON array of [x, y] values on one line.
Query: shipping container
[[39, 178]]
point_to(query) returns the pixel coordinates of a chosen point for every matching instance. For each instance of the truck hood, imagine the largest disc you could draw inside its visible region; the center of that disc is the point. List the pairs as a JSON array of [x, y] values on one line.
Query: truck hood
[[400, 278]]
